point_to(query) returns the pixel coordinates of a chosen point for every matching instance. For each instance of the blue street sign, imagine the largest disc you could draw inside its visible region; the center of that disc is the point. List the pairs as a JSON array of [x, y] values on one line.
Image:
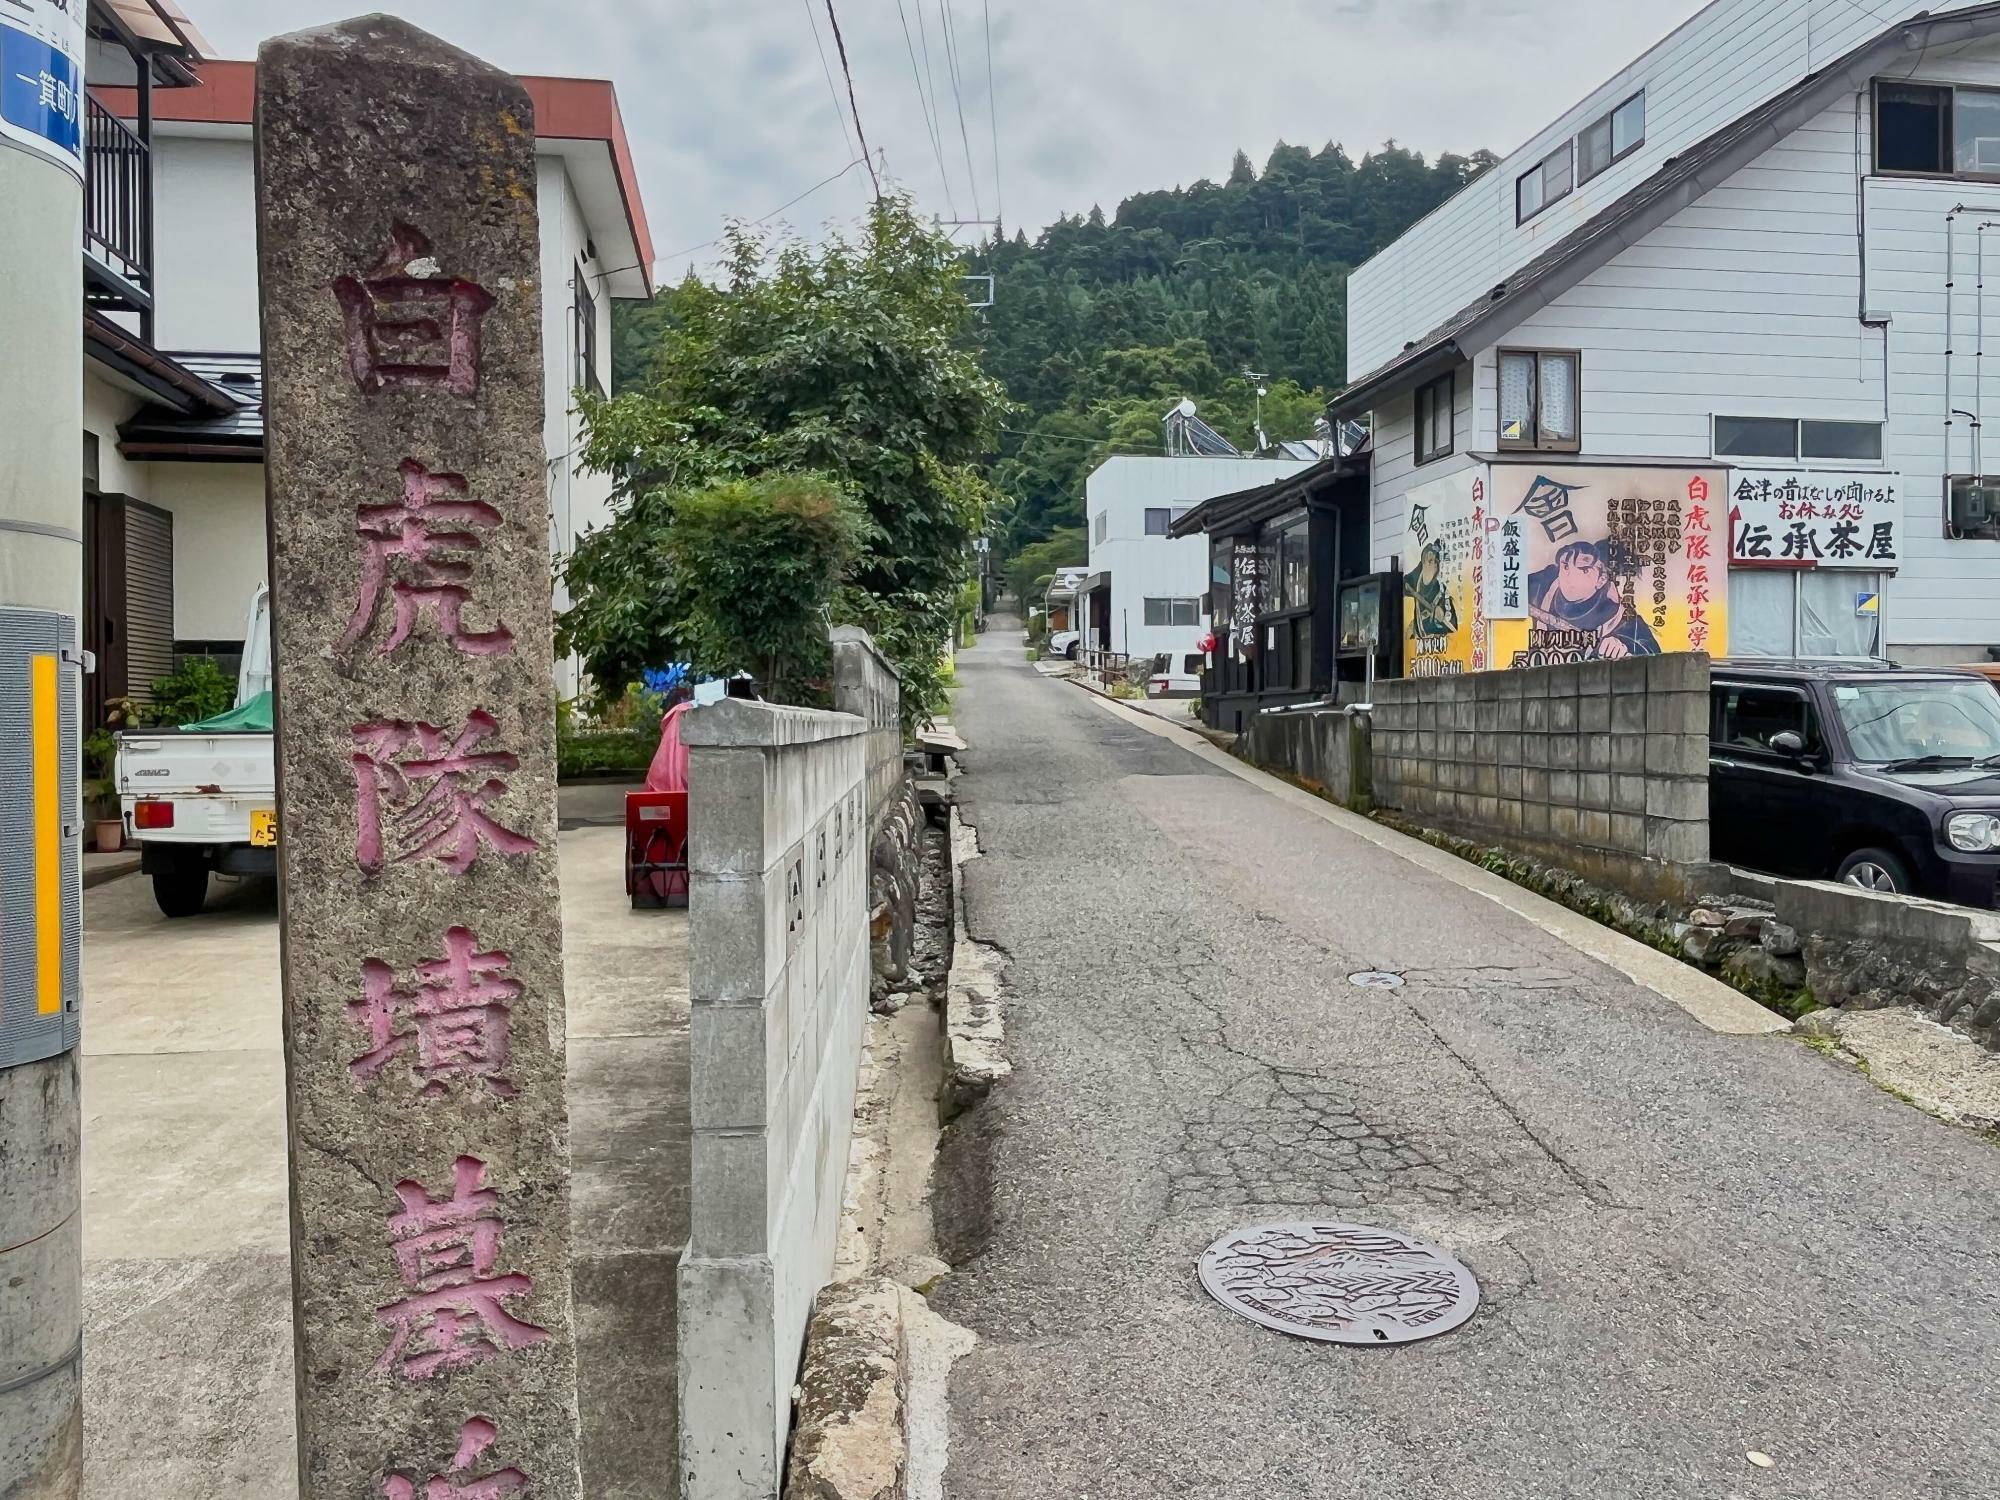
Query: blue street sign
[[41, 78]]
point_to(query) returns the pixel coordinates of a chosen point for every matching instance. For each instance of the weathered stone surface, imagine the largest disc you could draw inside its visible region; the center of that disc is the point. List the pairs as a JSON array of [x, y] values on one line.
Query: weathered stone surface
[[852, 1441], [400, 254], [1756, 970], [1777, 938]]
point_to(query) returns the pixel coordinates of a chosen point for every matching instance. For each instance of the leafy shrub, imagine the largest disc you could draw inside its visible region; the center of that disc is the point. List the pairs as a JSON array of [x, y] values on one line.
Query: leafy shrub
[[197, 690], [603, 753]]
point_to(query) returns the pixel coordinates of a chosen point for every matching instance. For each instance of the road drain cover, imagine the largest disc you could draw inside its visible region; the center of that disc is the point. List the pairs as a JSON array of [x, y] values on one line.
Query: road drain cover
[[1376, 979], [1339, 1283]]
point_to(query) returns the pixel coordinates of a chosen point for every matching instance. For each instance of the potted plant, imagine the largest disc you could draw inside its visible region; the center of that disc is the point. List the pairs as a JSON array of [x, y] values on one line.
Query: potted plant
[[100, 791]]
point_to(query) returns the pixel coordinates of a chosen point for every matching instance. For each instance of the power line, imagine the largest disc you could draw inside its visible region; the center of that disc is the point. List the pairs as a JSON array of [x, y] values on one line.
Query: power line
[[958, 98], [924, 36], [840, 45], [764, 219], [930, 113], [832, 92], [993, 112]]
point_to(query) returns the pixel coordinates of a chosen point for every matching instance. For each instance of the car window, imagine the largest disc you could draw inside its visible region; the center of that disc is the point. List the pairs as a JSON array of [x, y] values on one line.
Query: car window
[[1749, 718], [1194, 666], [1889, 721]]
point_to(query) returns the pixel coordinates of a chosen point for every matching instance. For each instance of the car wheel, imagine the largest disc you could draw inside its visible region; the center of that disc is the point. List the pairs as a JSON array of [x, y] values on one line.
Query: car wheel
[[180, 893], [1071, 652], [1875, 870]]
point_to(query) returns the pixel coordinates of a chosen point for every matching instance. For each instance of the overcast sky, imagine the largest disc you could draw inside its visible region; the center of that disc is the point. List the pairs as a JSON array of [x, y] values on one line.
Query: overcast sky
[[731, 113]]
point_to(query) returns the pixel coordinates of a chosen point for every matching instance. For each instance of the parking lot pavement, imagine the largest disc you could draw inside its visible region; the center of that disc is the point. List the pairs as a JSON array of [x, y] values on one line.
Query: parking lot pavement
[[187, 1279]]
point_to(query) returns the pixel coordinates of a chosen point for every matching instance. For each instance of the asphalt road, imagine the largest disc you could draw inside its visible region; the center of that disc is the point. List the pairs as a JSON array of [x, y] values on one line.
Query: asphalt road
[[1690, 1246]]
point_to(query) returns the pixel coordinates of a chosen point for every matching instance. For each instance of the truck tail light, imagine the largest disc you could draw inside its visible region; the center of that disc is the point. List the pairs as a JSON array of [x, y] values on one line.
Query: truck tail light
[[152, 814]]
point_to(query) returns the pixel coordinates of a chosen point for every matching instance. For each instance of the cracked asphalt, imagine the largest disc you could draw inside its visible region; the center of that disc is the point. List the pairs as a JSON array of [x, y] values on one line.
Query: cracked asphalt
[[1690, 1246]]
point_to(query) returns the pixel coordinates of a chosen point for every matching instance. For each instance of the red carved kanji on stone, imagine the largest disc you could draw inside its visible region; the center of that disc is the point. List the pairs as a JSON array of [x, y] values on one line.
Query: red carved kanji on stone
[[446, 1249], [475, 1438], [408, 323], [419, 794], [454, 1019], [409, 551]]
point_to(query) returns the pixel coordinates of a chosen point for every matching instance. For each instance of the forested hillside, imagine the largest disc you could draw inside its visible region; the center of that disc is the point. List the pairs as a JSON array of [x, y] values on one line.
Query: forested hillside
[[1098, 325]]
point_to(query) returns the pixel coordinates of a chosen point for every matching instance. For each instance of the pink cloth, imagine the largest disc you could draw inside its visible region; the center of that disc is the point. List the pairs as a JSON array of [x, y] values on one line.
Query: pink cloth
[[669, 771]]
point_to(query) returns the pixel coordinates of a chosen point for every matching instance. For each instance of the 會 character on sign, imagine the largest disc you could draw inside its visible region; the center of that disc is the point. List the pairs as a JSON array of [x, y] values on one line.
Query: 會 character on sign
[[451, 1025], [410, 324], [414, 552], [422, 793], [447, 1250]]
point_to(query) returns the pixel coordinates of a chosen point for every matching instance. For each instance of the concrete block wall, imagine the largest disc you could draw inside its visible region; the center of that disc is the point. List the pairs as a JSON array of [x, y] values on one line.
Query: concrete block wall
[[866, 685], [779, 976], [1327, 748], [1602, 765]]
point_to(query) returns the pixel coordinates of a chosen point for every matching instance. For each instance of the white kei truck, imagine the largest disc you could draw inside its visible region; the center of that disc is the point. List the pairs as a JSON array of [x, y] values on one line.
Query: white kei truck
[[203, 800]]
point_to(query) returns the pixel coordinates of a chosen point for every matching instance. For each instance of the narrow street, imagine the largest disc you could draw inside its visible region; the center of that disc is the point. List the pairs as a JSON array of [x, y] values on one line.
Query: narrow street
[[1691, 1246]]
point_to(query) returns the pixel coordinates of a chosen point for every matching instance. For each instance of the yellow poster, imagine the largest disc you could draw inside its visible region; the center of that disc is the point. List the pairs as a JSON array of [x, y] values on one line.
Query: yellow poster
[[1443, 624], [1620, 562]]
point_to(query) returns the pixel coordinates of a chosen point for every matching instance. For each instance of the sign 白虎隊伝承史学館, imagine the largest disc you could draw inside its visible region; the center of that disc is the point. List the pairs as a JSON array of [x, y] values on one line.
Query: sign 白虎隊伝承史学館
[[41, 78]]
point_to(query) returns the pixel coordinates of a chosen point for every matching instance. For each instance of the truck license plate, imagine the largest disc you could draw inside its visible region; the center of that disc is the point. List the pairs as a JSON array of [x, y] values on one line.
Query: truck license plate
[[264, 829]]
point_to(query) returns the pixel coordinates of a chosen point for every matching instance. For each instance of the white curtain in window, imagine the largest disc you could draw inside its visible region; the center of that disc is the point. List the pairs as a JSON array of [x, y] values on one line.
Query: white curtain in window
[[1558, 398], [1760, 612], [1830, 618], [1517, 396]]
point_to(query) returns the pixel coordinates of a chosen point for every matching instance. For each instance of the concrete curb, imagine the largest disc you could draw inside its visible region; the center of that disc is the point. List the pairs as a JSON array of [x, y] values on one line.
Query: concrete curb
[[851, 1440], [975, 1033]]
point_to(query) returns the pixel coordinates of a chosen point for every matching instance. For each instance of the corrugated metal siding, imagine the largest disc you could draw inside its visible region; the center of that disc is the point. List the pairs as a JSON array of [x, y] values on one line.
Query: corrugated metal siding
[[149, 598], [1395, 467], [1721, 64]]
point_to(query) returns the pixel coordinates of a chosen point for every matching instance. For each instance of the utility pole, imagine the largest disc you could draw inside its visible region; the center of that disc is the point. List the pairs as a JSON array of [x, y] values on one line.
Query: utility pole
[[41, 597]]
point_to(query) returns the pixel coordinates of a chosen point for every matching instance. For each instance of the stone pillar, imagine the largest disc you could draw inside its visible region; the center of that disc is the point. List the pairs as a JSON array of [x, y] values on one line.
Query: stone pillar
[[422, 941], [778, 975]]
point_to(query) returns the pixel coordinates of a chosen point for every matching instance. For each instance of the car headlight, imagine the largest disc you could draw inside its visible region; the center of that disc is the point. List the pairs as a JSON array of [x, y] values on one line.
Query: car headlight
[[1976, 833]]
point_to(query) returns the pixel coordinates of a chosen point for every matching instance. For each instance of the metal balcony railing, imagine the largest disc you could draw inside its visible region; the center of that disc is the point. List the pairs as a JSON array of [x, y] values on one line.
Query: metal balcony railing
[[117, 214]]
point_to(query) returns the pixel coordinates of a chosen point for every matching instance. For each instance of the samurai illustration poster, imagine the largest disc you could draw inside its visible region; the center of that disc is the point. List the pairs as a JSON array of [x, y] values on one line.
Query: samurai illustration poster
[[1620, 562], [1443, 624]]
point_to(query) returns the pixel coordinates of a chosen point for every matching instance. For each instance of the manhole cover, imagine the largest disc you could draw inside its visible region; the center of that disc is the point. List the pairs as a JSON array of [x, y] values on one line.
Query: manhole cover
[[1339, 1283], [1376, 979]]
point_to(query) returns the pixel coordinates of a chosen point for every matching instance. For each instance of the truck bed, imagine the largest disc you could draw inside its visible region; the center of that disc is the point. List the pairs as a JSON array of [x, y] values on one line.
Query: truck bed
[[215, 781]]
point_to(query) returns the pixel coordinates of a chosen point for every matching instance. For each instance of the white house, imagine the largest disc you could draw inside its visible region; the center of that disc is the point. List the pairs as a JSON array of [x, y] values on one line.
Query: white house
[[173, 389], [1147, 593], [1701, 364]]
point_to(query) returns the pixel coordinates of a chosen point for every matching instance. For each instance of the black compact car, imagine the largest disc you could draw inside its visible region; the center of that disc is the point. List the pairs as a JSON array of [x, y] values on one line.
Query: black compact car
[[1884, 777]]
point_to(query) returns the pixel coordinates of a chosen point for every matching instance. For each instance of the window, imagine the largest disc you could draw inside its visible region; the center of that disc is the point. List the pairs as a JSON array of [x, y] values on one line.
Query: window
[[1812, 612], [1788, 437], [1546, 182], [1158, 519], [1540, 390], [585, 315], [1436, 417], [1860, 441], [1103, 524], [1749, 718], [1173, 611], [1756, 437], [1611, 138], [1937, 130], [1291, 548]]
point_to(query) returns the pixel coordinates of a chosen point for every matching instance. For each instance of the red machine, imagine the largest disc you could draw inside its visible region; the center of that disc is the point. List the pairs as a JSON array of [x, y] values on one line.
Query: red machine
[[656, 835]]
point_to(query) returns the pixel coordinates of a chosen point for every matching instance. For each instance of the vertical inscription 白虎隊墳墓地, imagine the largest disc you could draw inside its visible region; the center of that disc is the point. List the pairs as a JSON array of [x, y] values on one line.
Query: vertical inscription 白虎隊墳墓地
[[399, 255]]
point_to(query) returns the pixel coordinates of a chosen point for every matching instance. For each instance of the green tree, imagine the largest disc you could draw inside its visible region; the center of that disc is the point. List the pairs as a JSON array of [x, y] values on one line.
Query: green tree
[[1068, 548], [850, 359], [754, 567]]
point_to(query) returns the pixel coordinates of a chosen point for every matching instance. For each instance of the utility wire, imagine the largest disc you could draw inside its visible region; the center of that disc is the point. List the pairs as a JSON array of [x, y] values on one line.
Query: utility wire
[[958, 98], [992, 113], [832, 92], [930, 111], [840, 45], [753, 223], [924, 36]]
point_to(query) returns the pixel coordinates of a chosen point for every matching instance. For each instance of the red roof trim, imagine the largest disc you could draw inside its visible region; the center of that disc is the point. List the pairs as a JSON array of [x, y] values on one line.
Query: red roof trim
[[569, 109]]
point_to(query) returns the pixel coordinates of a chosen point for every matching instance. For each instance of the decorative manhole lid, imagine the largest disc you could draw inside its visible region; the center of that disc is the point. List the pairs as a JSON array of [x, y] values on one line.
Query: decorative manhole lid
[[1339, 1283], [1376, 979]]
